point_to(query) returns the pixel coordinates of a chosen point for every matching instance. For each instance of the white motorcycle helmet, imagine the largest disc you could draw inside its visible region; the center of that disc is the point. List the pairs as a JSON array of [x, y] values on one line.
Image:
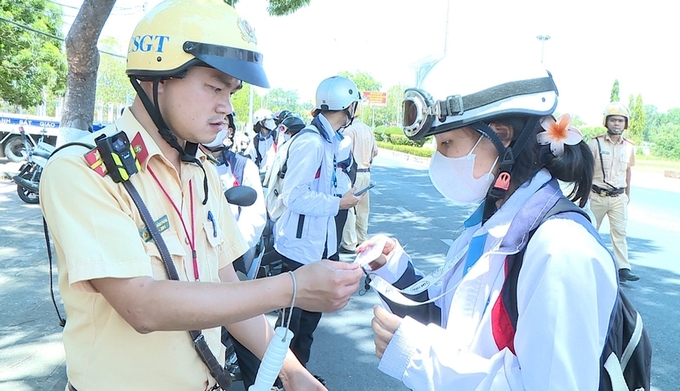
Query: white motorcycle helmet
[[460, 92], [263, 114], [337, 93], [265, 118], [457, 93]]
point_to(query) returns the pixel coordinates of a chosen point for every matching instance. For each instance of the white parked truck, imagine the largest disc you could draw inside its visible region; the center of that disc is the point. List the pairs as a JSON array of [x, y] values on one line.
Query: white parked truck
[[11, 144]]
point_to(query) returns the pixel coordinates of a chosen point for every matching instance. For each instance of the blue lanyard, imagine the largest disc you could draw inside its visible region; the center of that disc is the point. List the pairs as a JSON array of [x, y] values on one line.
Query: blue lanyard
[[477, 243]]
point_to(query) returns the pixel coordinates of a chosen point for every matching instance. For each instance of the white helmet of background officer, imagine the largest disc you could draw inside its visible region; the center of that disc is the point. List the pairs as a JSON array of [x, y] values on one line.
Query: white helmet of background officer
[[338, 93]]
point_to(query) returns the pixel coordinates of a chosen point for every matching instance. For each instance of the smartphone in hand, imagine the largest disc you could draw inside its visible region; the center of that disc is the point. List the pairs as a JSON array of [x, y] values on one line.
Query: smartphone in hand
[[365, 189]]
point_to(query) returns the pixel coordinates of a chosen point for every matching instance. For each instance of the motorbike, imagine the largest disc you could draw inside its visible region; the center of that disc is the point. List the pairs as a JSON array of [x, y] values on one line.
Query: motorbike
[[28, 178]]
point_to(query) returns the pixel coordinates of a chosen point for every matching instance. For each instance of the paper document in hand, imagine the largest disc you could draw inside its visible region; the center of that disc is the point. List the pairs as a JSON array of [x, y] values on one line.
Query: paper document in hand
[[370, 254]]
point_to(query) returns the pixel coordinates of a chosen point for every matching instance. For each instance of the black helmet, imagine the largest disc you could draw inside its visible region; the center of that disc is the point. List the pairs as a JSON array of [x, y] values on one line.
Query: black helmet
[[292, 124], [281, 115]]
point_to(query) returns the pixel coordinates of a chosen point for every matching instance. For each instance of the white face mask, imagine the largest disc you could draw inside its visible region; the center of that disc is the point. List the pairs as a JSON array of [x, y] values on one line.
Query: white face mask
[[269, 124], [286, 137], [219, 139], [453, 177]]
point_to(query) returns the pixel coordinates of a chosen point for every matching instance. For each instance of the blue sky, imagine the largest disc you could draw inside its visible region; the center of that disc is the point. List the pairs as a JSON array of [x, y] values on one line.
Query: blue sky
[[592, 43]]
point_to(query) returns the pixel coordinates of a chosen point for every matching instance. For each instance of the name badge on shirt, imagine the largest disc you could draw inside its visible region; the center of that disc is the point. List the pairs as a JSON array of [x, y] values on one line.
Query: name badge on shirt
[[162, 224]]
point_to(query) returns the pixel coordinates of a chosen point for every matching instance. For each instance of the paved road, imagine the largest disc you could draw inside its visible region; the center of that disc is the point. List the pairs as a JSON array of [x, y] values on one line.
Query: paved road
[[404, 205]]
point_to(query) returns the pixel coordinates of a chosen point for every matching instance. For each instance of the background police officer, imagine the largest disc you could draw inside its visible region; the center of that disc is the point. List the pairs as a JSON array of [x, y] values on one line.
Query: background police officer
[[614, 157]]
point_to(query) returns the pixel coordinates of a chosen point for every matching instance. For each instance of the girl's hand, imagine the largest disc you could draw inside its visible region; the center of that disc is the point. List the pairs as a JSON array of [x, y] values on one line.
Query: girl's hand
[[387, 249], [384, 326]]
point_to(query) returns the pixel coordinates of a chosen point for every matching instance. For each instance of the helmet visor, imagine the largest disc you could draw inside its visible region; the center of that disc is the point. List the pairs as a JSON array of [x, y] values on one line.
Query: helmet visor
[[245, 65]]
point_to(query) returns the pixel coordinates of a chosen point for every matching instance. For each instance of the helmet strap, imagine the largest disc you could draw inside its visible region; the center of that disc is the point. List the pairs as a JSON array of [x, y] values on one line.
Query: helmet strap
[[186, 154], [506, 161]]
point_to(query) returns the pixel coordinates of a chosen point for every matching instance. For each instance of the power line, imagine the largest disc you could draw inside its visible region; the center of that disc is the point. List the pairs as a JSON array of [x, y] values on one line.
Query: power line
[[31, 29], [63, 5], [52, 36]]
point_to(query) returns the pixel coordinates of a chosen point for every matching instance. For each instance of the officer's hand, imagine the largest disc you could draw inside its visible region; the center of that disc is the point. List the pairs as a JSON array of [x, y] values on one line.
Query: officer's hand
[[389, 246], [326, 286], [301, 380], [349, 200], [384, 326]]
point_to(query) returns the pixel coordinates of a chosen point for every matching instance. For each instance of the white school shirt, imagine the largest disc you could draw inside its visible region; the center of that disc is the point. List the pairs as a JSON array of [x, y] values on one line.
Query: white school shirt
[[307, 191], [566, 292]]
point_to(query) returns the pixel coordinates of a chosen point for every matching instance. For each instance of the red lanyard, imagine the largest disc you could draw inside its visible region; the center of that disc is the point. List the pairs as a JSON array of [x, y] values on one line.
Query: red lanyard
[[192, 239]]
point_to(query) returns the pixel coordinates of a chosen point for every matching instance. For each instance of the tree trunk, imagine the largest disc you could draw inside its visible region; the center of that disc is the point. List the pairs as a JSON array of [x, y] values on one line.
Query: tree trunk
[[83, 61]]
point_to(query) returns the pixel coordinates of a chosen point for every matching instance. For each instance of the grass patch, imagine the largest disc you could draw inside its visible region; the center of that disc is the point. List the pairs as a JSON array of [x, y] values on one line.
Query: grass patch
[[652, 163]]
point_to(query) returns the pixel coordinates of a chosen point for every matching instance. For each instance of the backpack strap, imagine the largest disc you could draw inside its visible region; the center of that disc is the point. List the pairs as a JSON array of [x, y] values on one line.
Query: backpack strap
[[505, 309], [284, 166], [256, 144]]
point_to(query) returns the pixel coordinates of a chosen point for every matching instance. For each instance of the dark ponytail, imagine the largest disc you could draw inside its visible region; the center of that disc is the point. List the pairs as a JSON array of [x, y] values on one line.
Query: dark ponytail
[[575, 166]]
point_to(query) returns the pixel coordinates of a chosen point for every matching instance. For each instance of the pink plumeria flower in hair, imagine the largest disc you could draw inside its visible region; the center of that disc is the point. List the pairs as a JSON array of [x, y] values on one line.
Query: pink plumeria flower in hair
[[557, 133]]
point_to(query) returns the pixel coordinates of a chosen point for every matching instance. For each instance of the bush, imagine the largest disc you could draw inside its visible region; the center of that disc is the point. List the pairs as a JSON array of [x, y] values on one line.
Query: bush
[[666, 142], [388, 135], [411, 150], [591, 131]]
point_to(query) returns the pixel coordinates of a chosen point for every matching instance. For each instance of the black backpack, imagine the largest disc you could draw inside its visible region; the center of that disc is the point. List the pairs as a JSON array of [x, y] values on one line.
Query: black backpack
[[626, 359]]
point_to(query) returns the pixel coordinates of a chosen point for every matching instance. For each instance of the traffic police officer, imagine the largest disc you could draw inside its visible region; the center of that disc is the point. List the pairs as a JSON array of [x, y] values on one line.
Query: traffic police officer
[[614, 157]]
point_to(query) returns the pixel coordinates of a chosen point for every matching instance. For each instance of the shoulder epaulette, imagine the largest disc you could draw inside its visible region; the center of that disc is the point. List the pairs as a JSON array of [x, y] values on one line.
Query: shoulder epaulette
[[94, 159], [629, 140]]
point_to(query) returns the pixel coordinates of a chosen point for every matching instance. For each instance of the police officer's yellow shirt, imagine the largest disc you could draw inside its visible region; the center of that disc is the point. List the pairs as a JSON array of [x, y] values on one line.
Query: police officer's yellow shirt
[[617, 157], [98, 232]]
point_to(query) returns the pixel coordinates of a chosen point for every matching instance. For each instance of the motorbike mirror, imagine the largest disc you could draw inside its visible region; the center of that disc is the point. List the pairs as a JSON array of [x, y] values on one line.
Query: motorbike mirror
[[241, 195]]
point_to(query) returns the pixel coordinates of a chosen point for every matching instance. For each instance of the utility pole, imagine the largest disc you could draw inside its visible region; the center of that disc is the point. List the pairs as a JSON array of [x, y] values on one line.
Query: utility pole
[[425, 66], [542, 38]]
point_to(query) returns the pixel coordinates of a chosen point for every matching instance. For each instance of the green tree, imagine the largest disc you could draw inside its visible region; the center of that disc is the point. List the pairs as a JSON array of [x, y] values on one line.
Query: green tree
[[363, 80], [652, 121], [614, 96], [83, 61], [666, 142], [390, 114], [636, 125], [83, 56], [113, 85], [672, 117], [284, 7], [30, 51]]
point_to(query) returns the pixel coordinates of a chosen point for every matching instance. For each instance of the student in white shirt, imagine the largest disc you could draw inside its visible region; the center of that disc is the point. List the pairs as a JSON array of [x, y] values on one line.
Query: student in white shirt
[[499, 147]]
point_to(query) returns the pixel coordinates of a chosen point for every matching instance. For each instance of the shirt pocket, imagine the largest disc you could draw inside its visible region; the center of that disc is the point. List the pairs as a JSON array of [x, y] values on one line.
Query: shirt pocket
[[177, 253], [212, 234], [212, 250]]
